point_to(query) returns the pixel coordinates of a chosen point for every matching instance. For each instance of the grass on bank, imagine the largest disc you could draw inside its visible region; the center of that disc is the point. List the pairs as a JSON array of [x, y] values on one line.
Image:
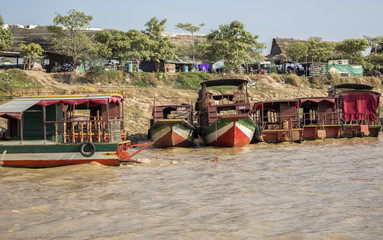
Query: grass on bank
[[99, 74], [16, 80]]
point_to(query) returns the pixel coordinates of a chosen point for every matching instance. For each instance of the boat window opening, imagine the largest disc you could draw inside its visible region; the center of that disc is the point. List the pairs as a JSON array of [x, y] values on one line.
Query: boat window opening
[[227, 112], [177, 115], [313, 115], [272, 117]]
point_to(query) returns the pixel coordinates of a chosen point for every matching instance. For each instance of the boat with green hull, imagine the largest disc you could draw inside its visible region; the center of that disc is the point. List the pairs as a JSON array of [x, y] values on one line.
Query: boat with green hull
[[58, 130], [224, 113]]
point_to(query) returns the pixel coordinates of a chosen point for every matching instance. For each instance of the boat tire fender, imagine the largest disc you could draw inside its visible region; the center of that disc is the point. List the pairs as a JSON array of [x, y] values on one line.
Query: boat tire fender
[[88, 145]]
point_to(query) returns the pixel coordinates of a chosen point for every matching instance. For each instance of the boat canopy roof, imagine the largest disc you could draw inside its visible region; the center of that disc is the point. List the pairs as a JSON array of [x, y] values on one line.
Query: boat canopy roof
[[224, 82], [317, 99], [354, 86], [15, 107], [277, 101], [274, 104]]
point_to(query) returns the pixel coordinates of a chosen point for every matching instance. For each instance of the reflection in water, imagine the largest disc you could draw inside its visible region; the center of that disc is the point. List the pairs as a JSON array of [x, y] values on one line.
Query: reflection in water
[[322, 189]]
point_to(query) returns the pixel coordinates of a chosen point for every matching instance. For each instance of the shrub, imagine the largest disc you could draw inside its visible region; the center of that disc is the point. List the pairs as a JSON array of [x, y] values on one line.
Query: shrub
[[98, 74], [161, 76], [141, 84], [318, 81], [293, 80], [191, 80]]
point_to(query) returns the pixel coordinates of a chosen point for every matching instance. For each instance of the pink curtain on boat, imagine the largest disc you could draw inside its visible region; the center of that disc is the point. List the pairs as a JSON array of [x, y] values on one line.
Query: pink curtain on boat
[[12, 115], [47, 102], [91, 102], [360, 106]]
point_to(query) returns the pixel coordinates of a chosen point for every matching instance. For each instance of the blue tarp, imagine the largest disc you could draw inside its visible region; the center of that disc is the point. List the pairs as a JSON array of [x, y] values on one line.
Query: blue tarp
[[219, 64]]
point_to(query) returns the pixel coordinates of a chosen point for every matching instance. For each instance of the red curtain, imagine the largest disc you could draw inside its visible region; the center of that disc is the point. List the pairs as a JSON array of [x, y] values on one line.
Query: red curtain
[[91, 102], [12, 115], [360, 106]]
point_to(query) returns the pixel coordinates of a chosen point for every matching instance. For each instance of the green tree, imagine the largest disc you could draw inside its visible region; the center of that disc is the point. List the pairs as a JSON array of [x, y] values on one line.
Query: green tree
[[116, 43], [297, 51], [352, 49], [191, 29], [29, 52], [6, 37], [69, 39], [374, 42], [374, 63], [319, 51], [122, 45], [157, 46], [232, 43]]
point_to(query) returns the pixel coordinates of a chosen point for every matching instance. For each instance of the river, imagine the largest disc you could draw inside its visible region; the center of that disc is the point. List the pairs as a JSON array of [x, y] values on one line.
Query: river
[[329, 189]]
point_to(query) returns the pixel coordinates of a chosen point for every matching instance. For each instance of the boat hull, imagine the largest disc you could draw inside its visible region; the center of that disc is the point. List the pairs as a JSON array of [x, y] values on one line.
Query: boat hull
[[282, 135], [229, 132], [355, 130], [312, 132], [172, 135], [55, 155]]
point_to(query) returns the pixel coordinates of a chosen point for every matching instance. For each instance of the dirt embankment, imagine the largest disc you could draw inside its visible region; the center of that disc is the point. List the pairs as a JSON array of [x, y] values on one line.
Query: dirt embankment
[[138, 100]]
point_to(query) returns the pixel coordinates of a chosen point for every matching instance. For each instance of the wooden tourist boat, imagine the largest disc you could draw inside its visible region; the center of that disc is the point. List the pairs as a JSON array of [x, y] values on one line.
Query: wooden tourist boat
[[360, 110], [321, 118], [224, 113], [51, 131], [172, 125], [278, 121]]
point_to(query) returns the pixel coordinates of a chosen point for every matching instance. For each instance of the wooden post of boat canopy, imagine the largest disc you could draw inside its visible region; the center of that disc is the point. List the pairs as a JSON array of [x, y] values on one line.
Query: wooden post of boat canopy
[[122, 115], [44, 123], [98, 126], [64, 122], [56, 131], [107, 119], [21, 128]]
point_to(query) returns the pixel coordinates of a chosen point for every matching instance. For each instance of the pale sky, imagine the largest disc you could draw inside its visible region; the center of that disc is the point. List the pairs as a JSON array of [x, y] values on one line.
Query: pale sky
[[332, 20]]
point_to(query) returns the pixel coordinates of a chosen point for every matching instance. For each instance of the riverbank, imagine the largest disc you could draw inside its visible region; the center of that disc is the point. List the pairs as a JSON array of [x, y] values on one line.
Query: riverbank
[[140, 89]]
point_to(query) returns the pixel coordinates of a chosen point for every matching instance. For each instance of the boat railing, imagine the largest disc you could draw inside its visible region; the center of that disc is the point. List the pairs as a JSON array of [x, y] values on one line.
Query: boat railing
[[81, 130], [274, 121], [317, 118], [210, 101]]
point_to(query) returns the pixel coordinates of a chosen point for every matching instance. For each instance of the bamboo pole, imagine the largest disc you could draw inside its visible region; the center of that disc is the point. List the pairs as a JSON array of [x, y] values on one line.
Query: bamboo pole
[[56, 132]]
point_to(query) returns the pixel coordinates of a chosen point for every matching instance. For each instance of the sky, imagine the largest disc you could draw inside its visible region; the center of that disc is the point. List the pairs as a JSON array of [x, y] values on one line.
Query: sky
[[332, 20]]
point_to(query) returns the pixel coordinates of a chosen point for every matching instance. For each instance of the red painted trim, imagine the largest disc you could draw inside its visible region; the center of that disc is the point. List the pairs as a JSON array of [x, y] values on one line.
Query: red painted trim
[[233, 137], [172, 139]]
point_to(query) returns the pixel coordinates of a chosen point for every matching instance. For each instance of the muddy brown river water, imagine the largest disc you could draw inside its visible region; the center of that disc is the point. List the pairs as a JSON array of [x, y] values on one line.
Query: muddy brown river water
[[329, 189]]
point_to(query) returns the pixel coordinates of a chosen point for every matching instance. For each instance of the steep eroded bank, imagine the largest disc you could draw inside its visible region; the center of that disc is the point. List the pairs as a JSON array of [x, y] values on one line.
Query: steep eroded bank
[[139, 98]]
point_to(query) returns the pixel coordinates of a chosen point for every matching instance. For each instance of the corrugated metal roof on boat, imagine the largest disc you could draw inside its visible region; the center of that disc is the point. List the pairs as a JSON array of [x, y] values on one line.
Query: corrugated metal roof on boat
[[20, 104]]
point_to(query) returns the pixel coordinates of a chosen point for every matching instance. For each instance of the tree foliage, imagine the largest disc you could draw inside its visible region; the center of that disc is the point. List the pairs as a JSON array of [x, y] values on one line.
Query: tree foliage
[[352, 49], [375, 43], [158, 47], [6, 37], [121, 45], [232, 43], [319, 51], [297, 51], [67, 36], [191, 29], [374, 62], [30, 52]]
